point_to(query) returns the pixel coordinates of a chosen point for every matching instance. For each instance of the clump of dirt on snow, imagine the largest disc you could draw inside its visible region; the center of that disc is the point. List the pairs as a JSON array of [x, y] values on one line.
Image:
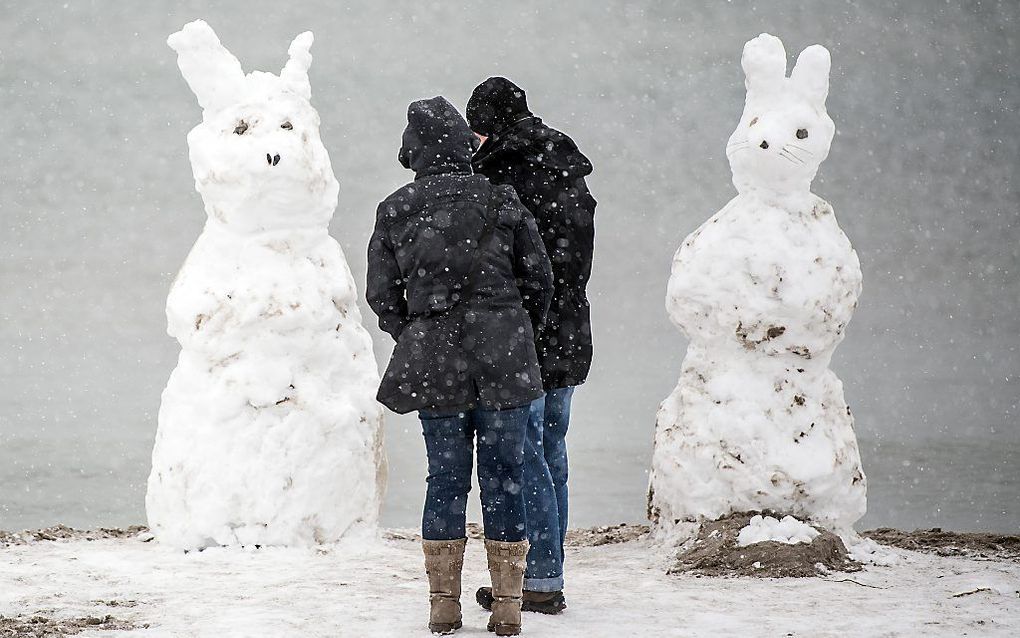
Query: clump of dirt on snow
[[63, 532], [43, 627], [715, 552], [942, 543]]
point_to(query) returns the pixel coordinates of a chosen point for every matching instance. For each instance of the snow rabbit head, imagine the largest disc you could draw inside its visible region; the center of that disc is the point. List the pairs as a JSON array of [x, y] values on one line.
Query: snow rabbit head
[[257, 157], [784, 133]]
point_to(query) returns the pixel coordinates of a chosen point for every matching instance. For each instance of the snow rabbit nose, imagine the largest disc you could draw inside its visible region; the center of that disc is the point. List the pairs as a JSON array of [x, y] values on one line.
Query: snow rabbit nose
[[764, 145], [272, 160]]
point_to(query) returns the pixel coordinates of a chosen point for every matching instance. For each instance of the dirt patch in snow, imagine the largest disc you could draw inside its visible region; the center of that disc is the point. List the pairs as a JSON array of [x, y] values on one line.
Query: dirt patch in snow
[[63, 532], [585, 537], [605, 535], [474, 530], [975, 545], [715, 553], [42, 627]]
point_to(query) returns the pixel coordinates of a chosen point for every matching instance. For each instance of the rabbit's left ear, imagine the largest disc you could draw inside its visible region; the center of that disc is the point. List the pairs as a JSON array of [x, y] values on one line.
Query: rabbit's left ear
[[295, 72], [811, 74]]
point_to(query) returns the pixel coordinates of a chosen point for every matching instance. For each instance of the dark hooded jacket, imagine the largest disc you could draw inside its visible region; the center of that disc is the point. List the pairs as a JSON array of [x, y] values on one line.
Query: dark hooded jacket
[[461, 343], [547, 170]]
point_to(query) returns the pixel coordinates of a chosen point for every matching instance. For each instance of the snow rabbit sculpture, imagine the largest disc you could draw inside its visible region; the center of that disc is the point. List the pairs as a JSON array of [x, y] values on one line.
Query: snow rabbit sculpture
[[269, 432], [764, 290]]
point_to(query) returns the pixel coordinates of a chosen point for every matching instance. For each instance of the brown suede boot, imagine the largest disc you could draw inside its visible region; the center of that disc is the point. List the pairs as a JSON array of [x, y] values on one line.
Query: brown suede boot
[[443, 563], [506, 567]]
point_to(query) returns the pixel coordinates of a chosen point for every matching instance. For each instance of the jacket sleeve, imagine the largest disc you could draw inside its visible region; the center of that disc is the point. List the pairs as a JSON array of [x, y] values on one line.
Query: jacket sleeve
[[532, 269], [386, 286]]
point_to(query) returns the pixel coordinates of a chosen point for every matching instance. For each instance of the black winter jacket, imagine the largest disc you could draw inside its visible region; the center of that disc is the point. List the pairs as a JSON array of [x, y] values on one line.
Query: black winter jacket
[[547, 170], [456, 349]]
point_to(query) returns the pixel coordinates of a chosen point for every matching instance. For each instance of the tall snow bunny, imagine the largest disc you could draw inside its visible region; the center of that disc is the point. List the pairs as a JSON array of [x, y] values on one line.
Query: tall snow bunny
[[269, 433], [764, 290]]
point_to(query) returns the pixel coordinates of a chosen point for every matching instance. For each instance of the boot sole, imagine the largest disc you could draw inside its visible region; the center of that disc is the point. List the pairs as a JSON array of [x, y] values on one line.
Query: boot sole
[[445, 628], [505, 630]]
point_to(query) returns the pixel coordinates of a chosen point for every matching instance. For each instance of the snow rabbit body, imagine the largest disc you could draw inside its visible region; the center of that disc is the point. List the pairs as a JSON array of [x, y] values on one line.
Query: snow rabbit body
[[268, 429], [764, 290]]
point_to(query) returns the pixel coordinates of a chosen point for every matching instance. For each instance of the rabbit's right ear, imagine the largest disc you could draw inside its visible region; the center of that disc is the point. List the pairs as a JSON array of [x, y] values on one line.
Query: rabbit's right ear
[[212, 72], [764, 63]]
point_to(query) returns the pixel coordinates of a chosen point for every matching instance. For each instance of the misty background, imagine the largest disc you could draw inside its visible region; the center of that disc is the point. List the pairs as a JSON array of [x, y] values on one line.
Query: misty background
[[98, 211]]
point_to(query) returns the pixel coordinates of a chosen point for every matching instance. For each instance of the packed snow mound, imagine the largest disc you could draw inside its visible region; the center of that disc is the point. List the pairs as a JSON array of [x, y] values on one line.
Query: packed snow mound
[[768, 528], [764, 290], [269, 433], [867, 551]]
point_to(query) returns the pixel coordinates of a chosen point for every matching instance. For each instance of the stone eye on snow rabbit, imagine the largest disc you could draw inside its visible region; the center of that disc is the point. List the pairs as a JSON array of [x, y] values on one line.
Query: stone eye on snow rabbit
[[257, 157], [784, 133]]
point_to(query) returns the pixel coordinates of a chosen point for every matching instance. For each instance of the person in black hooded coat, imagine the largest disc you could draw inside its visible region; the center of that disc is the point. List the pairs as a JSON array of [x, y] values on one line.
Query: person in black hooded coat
[[419, 257], [548, 172], [459, 276]]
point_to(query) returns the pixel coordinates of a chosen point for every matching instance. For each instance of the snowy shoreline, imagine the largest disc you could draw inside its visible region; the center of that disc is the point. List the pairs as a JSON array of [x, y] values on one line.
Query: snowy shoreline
[[60, 581], [977, 545]]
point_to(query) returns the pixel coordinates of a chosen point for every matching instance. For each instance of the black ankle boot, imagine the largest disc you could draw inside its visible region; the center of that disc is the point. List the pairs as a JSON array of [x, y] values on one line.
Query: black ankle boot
[[552, 602]]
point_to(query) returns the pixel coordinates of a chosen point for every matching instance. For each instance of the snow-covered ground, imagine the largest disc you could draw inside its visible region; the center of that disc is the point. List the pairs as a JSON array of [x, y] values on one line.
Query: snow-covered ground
[[378, 588]]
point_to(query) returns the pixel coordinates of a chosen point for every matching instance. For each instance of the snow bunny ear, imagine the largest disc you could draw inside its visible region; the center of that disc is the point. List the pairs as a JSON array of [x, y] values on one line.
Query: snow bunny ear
[[811, 74], [764, 63], [212, 72], [295, 72]]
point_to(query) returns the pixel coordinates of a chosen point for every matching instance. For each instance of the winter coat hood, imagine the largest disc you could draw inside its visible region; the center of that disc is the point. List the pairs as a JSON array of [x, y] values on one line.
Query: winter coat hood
[[495, 105], [437, 140], [537, 145]]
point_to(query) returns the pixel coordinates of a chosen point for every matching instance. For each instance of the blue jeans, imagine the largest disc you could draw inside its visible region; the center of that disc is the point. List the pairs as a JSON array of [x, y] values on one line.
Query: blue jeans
[[545, 489], [449, 441]]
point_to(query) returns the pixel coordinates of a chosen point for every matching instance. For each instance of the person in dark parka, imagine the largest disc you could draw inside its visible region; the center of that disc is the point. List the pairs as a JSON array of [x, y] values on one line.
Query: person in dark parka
[[459, 276], [548, 172]]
